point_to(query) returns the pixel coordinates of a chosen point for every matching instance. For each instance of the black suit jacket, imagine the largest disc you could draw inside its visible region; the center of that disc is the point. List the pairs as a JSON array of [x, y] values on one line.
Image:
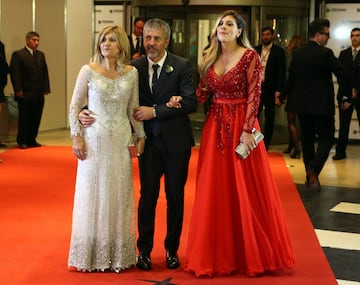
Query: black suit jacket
[[29, 74], [310, 80], [175, 79], [4, 70], [275, 72], [132, 47], [353, 69]]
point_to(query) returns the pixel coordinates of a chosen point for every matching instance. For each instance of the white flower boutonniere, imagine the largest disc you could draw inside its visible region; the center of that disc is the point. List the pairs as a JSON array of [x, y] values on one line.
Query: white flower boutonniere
[[169, 69]]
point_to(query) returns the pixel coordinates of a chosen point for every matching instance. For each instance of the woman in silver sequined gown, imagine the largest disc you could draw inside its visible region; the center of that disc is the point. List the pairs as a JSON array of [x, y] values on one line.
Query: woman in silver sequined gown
[[103, 227]]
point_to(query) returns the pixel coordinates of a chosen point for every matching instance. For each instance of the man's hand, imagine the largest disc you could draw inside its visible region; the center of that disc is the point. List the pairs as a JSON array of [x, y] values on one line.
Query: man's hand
[[136, 55], [174, 102], [354, 93], [86, 118], [19, 94], [143, 113], [277, 99], [345, 105]]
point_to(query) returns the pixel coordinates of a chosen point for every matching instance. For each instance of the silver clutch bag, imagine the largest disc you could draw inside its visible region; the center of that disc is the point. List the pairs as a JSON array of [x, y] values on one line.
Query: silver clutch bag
[[241, 148]]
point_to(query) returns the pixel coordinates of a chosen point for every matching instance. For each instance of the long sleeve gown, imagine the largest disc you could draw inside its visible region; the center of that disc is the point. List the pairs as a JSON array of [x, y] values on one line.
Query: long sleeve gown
[[237, 224], [103, 225]]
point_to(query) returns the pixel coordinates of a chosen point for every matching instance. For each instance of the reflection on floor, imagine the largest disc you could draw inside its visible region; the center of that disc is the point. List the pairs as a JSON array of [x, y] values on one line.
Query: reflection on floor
[[335, 212]]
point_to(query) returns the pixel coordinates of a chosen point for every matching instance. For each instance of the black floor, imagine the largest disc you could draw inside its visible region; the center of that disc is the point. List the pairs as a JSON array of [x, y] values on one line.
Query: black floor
[[344, 262]]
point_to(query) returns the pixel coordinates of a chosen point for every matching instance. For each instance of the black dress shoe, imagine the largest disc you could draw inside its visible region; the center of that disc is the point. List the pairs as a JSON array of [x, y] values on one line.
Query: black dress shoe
[[35, 144], [339, 156], [144, 261], [312, 180], [172, 260], [22, 146]]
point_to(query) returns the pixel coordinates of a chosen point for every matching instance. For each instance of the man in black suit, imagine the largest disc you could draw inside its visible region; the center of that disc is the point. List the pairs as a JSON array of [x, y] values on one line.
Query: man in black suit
[[169, 138], [312, 91], [348, 95], [30, 80], [4, 70], [136, 38], [273, 77]]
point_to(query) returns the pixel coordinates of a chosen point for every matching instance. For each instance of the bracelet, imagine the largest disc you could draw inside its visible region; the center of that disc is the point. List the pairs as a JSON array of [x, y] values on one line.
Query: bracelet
[[154, 111], [247, 131]]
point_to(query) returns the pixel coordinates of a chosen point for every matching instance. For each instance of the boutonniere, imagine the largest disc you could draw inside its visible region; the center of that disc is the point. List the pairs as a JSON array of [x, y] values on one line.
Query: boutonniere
[[169, 68]]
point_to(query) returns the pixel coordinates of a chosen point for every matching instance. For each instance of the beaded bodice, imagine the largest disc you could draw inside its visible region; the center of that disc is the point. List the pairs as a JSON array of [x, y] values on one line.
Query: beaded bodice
[[238, 90]]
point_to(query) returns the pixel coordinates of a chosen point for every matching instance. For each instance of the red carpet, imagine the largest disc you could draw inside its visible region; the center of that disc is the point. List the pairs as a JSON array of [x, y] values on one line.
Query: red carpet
[[36, 192]]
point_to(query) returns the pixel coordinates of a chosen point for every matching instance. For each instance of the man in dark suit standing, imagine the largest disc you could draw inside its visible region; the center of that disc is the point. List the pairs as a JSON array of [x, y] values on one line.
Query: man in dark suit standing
[[136, 38], [312, 91], [273, 77], [348, 95], [30, 80], [169, 138], [4, 70]]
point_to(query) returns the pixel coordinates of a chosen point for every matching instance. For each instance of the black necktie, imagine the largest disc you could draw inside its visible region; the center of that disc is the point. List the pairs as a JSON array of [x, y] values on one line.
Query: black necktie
[[155, 79], [137, 48]]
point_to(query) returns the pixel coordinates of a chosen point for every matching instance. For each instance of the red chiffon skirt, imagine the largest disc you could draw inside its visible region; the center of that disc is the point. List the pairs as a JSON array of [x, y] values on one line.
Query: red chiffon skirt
[[237, 224]]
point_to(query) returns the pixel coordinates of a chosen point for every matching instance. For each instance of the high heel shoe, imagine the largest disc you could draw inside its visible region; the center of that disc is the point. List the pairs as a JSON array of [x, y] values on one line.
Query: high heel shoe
[[288, 149], [296, 153]]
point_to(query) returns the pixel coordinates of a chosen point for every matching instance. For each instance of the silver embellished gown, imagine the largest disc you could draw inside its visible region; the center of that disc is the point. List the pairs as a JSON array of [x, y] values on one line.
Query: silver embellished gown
[[103, 225]]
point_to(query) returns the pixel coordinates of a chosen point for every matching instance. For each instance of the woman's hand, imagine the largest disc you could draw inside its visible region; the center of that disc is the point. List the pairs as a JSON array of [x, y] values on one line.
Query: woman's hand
[[174, 102], [79, 147], [248, 140], [140, 146]]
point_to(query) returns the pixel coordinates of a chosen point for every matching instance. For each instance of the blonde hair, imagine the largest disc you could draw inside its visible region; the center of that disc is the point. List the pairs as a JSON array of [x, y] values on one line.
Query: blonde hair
[[213, 52], [121, 40]]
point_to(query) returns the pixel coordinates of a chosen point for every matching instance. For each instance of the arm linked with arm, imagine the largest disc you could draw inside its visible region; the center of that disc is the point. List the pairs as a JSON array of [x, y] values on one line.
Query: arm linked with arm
[[185, 89]]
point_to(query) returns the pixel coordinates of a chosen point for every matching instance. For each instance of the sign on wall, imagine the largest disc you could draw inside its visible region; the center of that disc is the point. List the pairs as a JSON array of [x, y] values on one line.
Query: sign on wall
[[343, 18], [106, 15]]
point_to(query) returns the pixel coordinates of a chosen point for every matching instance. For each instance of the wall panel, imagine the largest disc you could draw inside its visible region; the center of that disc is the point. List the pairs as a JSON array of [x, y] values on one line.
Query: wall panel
[[50, 24], [16, 21]]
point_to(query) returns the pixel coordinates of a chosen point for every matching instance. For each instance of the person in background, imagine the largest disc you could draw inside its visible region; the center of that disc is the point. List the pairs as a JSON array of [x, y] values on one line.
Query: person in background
[[273, 78], [311, 87], [167, 97], [103, 233], [231, 229], [136, 38], [30, 80], [348, 95], [294, 147], [4, 70]]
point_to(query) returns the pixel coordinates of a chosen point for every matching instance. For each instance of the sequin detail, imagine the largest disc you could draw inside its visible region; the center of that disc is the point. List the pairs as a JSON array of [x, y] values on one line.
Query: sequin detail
[[104, 227], [240, 87]]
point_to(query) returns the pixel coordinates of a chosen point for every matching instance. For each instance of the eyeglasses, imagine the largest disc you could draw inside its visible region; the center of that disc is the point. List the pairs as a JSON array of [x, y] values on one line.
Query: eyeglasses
[[324, 33]]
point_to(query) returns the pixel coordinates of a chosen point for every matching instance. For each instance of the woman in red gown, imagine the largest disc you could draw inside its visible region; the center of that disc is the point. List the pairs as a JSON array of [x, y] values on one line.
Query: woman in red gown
[[237, 224]]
